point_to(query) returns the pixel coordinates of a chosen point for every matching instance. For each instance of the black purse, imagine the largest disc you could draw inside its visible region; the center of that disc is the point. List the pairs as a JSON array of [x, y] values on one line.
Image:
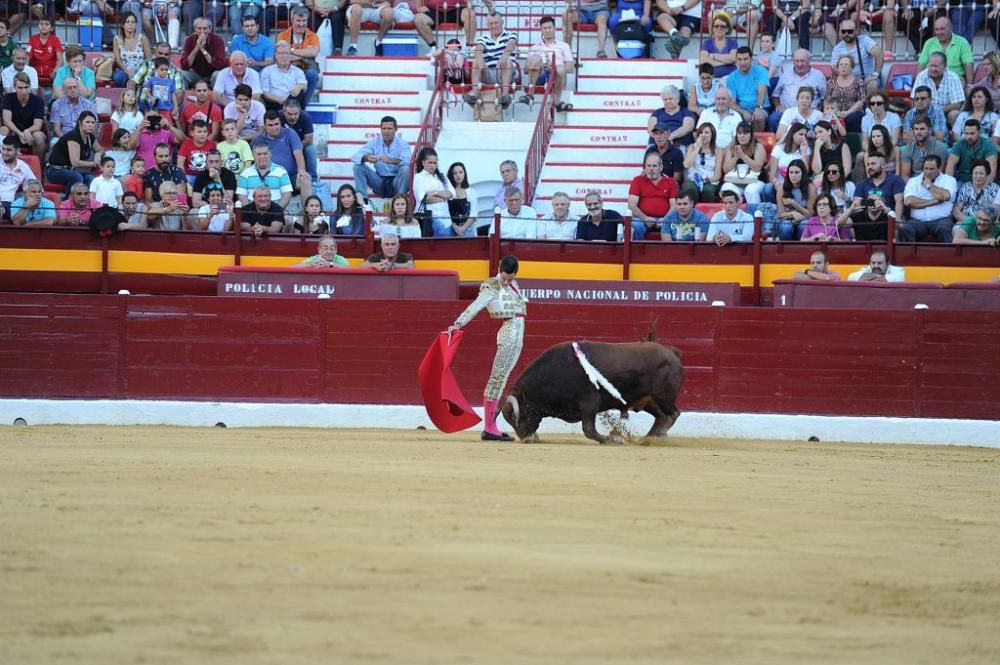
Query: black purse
[[425, 218]]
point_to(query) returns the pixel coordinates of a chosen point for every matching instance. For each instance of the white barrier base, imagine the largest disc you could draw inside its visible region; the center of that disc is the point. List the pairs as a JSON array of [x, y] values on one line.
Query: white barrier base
[[932, 431]]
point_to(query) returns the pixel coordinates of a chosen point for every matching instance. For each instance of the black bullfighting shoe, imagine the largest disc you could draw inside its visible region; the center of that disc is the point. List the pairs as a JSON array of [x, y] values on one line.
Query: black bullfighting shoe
[[502, 436]]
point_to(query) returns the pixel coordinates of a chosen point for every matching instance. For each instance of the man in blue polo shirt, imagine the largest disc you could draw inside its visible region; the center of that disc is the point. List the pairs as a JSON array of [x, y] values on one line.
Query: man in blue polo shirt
[[293, 117], [748, 85], [258, 48]]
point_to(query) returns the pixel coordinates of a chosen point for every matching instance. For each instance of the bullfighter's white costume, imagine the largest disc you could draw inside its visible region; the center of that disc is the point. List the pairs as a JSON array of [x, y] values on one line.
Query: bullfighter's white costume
[[503, 302]]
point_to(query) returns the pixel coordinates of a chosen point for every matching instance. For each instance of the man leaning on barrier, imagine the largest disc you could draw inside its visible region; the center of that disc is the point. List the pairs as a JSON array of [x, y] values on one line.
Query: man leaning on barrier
[[599, 223], [517, 220], [390, 258]]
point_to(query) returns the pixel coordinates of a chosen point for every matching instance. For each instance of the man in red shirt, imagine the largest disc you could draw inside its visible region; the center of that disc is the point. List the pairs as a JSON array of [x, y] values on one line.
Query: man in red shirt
[[204, 53], [201, 108], [44, 50], [650, 197]]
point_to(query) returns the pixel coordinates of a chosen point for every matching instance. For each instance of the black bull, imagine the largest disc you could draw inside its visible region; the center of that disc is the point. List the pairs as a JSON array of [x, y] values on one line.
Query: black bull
[[647, 374]]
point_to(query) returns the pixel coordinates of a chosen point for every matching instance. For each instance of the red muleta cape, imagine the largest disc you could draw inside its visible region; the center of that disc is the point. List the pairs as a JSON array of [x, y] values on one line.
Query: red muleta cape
[[446, 405]]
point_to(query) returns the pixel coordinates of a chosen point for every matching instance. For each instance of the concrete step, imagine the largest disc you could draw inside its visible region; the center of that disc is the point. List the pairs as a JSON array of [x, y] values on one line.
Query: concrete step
[[597, 157], [339, 167], [615, 190], [599, 134], [584, 117], [368, 81], [590, 172], [647, 68], [360, 134], [370, 116], [617, 100], [379, 67], [377, 99], [626, 84]]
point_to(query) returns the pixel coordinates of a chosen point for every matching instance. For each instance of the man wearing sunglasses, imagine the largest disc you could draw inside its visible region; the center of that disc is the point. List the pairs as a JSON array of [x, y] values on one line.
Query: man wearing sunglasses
[[867, 54], [923, 105]]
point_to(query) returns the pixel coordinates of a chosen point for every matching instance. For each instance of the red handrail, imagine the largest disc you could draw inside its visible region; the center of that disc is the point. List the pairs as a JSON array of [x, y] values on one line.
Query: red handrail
[[430, 128], [535, 159]]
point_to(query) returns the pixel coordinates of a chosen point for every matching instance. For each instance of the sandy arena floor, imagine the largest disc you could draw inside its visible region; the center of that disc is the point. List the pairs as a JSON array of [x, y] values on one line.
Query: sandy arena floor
[[169, 545]]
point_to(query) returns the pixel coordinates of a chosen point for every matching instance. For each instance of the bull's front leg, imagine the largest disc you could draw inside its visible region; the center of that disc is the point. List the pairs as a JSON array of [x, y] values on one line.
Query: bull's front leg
[[590, 428]]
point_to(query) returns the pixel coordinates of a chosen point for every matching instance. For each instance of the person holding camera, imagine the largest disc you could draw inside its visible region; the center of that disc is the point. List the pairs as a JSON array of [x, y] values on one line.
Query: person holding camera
[[154, 130], [879, 184], [869, 218]]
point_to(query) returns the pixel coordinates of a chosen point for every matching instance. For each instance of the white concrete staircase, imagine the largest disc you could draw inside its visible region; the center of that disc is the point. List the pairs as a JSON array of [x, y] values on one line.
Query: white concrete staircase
[[365, 90], [600, 144]]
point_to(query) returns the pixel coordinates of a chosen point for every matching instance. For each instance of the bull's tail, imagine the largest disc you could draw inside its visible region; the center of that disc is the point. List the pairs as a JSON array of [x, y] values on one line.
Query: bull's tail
[[651, 333]]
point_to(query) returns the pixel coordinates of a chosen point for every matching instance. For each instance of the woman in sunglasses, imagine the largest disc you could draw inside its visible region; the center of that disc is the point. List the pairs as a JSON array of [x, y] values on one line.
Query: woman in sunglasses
[[878, 114], [825, 226], [835, 184], [703, 166], [719, 50]]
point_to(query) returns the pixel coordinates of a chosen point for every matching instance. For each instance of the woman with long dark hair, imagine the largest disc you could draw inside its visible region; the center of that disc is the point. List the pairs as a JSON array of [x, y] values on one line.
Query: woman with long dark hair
[[400, 220], [703, 166], [76, 154], [743, 157], [502, 297], [349, 217], [879, 143], [463, 205], [432, 191], [978, 106], [795, 200], [828, 150]]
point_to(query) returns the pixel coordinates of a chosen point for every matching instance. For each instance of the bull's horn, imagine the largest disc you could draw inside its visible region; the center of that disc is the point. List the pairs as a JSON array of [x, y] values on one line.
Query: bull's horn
[[515, 407]]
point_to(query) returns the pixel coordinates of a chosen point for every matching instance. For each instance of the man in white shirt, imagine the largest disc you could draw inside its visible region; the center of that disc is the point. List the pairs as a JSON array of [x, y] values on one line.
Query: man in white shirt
[[18, 63], [559, 225], [723, 118], [540, 62], [930, 197], [13, 173], [730, 224], [237, 73], [878, 270], [517, 220]]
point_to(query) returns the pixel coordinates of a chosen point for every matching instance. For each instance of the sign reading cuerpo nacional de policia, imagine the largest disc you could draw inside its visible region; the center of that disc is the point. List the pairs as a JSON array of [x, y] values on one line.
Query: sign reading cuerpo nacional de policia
[[346, 284], [658, 294]]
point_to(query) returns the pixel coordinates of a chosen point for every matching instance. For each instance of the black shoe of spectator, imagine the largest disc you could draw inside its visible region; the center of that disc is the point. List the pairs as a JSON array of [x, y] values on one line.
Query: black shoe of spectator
[[378, 49]]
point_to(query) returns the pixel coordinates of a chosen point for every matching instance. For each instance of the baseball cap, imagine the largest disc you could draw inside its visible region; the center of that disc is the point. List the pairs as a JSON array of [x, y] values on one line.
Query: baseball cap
[[661, 127]]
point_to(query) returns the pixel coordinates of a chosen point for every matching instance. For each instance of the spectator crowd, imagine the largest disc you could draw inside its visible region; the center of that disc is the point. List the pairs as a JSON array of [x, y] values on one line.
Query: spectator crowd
[[224, 126]]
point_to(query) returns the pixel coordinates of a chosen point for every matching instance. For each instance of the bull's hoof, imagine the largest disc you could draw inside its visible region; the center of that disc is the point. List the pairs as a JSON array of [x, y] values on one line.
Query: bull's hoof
[[486, 436]]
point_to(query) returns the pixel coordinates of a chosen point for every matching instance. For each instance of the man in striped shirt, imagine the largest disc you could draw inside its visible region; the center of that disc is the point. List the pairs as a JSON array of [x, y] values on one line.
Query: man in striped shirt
[[494, 62], [264, 173]]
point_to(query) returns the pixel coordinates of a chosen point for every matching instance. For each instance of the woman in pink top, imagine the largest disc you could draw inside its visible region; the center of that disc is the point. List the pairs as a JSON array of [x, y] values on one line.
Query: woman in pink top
[[823, 226]]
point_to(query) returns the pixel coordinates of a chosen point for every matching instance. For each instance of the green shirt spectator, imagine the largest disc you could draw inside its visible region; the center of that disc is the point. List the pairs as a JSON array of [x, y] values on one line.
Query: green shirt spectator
[[958, 52], [7, 46], [985, 229], [962, 155]]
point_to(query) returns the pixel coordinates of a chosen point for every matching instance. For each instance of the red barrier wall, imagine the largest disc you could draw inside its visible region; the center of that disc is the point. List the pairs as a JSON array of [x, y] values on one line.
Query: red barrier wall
[[850, 362]]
